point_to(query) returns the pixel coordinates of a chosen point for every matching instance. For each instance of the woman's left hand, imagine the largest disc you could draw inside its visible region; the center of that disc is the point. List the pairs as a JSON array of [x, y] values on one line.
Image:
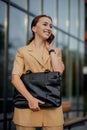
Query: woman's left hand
[[49, 46]]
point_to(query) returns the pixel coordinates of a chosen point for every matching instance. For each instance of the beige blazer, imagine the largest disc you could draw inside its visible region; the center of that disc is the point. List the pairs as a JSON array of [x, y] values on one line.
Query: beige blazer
[[27, 58]]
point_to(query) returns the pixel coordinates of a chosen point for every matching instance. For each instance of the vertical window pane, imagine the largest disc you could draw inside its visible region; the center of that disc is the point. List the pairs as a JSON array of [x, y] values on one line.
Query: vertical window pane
[[63, 40], [74, 46], [2, 44], [2, 52], [30, 20], [63, 16], [17, 34], [81, 20], [50, 10], [74, 18], [35, 6]]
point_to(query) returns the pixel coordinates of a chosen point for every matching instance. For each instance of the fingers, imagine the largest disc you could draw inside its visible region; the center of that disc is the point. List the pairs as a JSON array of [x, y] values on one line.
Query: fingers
[[35, 109], [41, 102], [35, 104]]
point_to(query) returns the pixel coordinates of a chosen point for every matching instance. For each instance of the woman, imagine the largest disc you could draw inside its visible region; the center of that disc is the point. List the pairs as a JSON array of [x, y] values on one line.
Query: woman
[[37, 56]]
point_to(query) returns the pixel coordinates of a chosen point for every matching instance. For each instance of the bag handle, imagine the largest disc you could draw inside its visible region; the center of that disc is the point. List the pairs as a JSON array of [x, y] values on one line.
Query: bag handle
[[28, 71], [46, 71]]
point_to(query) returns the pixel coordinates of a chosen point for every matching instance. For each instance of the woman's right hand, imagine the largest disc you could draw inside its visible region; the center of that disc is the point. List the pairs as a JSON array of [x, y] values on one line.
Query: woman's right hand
[[34, 104]]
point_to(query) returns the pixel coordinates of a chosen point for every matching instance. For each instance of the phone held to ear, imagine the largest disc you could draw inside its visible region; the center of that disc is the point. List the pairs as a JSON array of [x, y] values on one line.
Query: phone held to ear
[[50, 39]]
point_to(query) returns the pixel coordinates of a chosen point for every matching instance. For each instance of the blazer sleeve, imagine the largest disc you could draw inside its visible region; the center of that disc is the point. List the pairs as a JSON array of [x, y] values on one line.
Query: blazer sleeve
[[18, 65], [59, 52]]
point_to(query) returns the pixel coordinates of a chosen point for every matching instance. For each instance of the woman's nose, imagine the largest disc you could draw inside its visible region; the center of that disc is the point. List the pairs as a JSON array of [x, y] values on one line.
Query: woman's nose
[[49, 28]]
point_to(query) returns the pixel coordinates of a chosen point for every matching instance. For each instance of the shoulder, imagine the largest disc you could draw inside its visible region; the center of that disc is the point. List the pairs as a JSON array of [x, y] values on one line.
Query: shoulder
[[21, 50], [26, 47], [58, 52]]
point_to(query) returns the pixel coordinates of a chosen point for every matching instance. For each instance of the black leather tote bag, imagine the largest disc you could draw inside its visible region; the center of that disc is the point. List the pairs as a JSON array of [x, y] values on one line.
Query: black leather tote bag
[[45, 86]]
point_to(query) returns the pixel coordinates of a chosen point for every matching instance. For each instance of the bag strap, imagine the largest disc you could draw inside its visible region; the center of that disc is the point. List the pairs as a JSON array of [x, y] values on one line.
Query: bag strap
[[47, 71]]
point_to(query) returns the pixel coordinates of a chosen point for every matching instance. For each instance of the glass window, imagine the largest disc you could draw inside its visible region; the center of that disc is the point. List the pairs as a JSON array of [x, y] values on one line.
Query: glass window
[[2, 54], [50, 10], [73, 63], [17, 35], [81, 46], [81, 20], [35, 6], [81, 63], [2, 45], [63, 15], [74, 18], [30, 32], [63, 24], [21, 3], [73, 49]]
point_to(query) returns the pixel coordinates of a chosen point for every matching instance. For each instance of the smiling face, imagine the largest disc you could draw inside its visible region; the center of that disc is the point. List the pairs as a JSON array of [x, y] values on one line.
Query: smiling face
[[43, 28]]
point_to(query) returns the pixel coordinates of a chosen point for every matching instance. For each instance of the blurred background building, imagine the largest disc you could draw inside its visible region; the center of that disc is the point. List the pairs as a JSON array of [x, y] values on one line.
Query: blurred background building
[[69, 27]]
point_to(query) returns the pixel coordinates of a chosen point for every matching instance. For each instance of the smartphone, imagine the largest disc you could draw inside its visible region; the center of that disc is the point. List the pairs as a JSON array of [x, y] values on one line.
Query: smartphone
[[50, 39]]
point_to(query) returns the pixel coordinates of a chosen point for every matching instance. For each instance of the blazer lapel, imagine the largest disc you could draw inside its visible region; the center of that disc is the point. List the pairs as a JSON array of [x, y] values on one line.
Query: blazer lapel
[[45, 56], [33, 53]]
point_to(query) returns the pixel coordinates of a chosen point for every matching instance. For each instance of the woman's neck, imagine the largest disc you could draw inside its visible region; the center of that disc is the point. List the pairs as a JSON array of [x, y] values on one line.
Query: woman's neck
[[38, 43]]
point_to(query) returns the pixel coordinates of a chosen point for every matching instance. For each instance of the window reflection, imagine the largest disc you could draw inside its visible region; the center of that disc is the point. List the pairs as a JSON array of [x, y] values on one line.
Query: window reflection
[[17, 30], [30, 32], [21, 3], [63, 16], [35, 6], [2, 43], [17, 35], [50, 10]]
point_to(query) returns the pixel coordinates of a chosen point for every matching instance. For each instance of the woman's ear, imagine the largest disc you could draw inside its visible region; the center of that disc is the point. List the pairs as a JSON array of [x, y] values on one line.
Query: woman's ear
[[33, 29]]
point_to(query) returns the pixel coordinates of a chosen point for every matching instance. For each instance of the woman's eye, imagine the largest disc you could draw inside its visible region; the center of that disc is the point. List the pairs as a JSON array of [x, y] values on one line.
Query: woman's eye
[[45, 24], [51, 26]]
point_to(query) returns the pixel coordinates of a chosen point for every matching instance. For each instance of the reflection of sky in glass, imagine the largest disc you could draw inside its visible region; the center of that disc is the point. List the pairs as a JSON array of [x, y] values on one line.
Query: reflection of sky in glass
[[63, 23], [63, 20], [22, 3], [17, 27], [68, 20], [35, 6], [50, 9], [74, 21], [82, 17], [2, 11], [73, 44], [17, 30]]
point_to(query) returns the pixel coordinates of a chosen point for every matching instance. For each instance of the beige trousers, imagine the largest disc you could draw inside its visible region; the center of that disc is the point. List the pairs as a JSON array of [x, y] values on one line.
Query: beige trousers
[[44, 128]]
